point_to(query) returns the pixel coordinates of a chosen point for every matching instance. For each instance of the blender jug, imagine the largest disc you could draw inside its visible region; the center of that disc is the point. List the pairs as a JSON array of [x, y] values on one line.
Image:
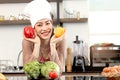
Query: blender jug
[[79, 62]]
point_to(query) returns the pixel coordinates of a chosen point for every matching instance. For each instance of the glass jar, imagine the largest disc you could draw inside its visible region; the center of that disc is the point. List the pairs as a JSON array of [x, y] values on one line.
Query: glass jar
[[12, 17], [1, 17]]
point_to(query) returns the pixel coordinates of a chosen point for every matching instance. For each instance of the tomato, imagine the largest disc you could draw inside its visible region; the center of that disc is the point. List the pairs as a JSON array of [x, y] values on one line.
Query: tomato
[[29, 32], [53, 75]]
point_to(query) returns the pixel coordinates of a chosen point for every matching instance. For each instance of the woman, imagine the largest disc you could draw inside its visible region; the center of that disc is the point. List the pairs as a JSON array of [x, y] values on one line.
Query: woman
[[45, 46]]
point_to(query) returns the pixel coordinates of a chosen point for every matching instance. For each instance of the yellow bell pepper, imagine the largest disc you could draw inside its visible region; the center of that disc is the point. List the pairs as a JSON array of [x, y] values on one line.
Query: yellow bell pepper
[[59, 31]]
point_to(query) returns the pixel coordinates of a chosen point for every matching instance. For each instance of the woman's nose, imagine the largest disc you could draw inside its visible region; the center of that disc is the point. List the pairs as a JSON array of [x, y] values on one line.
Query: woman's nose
[[44, 27]]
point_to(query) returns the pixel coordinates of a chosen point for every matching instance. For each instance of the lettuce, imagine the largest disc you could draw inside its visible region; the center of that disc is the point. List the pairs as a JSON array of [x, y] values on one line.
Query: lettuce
[[48, 67], [32, 69], [48, 70]]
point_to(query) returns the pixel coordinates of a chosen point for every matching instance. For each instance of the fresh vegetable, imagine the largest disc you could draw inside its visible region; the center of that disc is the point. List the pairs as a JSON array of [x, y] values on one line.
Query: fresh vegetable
[[59, 31], [32, 69], [53, 75], [50, 70], [29, 32]]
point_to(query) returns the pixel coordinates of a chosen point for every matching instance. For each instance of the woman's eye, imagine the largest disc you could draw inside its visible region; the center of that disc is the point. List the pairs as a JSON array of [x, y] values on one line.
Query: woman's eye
[[47, 23], [39, 25]]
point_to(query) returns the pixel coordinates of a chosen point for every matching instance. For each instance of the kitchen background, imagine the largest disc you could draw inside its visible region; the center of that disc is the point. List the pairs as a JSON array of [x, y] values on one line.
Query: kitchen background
[[11, 35]]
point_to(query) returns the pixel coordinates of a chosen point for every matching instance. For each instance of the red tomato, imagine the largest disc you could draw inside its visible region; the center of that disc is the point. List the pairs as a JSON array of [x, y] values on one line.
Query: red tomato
[[53, 75], [29, 32]]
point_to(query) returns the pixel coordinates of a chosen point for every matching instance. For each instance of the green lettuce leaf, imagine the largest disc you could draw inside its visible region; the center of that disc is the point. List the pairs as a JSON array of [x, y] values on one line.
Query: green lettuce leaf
[[32, 69], [48, 67]]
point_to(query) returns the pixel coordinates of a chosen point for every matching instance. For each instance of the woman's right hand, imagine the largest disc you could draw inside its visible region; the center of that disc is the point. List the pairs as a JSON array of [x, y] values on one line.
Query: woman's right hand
[[35, 40]]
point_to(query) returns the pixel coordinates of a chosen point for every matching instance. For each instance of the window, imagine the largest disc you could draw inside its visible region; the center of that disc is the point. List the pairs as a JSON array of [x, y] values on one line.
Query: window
[[104, 21]]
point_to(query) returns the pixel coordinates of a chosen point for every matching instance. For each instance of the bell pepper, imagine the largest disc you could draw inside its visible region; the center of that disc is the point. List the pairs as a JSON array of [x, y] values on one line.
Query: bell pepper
[[29, 32], [59, 31]]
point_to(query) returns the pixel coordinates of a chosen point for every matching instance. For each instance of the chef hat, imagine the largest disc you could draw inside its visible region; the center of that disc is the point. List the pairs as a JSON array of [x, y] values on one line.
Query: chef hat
[[37, 10]]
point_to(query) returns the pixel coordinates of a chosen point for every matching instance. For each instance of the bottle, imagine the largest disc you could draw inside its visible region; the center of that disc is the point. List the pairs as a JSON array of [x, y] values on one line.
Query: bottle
[[20, 17], [1, 17], [12, 17], [78, 15]]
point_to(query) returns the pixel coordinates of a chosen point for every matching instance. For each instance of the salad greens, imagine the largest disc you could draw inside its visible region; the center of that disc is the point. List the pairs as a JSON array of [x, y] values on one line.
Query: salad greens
[[32, 69], [48, 69]]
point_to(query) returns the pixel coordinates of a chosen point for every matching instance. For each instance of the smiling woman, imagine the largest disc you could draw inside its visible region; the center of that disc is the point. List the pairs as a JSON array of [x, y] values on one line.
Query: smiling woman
[[44, 46]]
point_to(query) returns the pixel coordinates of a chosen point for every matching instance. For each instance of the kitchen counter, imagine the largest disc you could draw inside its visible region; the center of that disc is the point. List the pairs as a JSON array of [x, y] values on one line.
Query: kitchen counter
[[65, 76], [91, 73]]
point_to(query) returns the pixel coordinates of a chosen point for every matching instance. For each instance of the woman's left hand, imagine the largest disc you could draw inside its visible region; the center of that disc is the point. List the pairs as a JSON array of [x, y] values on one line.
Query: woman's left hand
[[55, 40]]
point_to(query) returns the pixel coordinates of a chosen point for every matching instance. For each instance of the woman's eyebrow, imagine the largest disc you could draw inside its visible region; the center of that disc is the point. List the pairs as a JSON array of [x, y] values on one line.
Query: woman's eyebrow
[[40, 22], [47, 21]]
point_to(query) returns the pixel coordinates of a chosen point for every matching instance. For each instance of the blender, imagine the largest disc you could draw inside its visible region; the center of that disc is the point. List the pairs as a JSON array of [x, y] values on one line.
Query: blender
[[78, 61]]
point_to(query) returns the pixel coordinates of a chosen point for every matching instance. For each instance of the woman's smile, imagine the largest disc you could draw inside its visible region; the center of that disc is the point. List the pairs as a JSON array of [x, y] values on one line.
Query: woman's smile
[[45, 33]]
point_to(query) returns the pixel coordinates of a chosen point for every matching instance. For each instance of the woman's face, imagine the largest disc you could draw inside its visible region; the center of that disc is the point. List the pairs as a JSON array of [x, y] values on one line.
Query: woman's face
[[44, 28]]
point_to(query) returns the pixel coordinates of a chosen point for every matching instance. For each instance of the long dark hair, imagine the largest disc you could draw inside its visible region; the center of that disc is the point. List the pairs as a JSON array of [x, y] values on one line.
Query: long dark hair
[[52, 16], [52, 32]]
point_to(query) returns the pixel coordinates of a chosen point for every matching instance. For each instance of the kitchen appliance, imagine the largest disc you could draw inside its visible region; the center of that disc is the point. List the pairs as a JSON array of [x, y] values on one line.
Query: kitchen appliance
[[103, 55], [79, 61]]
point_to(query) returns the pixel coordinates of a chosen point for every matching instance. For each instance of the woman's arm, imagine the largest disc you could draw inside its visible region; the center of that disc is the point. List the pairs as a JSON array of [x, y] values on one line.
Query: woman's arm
[[30, 51], [61, 49], [57, 53]]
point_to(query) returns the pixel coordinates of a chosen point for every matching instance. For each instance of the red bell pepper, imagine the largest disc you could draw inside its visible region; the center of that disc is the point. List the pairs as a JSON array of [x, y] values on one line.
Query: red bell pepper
[[29, 32]]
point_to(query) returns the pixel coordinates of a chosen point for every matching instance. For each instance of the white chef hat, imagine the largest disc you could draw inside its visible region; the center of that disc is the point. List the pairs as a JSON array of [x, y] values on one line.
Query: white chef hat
[[37, 10]]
